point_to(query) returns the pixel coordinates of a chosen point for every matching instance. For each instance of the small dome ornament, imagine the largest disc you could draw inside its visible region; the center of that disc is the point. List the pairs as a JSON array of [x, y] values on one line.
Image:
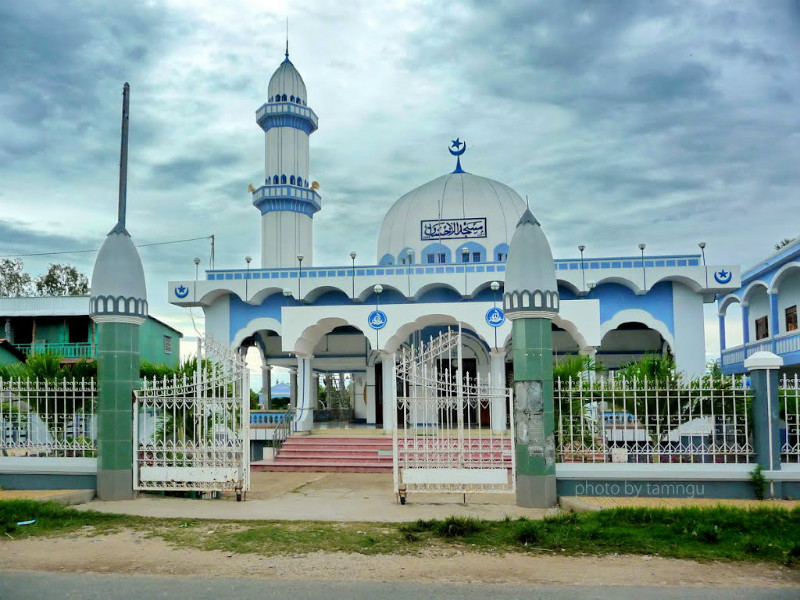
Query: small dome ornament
[[530, 287]]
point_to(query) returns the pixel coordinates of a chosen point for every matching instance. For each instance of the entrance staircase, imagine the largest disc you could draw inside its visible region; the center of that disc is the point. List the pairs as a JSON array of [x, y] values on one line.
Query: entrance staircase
[[331, 454], [359, 454]]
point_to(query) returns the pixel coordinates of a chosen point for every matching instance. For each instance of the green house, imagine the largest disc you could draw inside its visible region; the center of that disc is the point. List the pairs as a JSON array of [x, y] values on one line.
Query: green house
[[61, 325]]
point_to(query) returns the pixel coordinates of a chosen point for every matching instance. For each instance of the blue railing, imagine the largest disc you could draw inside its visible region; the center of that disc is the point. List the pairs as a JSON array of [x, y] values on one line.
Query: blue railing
[[63, 350], [267, 418]]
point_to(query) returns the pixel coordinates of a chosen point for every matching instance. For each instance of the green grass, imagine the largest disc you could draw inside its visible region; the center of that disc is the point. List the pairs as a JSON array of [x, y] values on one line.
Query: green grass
[[721, 533]]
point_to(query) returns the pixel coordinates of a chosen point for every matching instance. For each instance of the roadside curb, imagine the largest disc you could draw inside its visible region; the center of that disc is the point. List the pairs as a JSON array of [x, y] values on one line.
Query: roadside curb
[[575, 504]]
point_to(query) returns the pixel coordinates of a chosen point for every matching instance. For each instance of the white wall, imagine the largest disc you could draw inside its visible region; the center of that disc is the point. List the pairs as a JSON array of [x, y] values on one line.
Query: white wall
[[218, 322], [759, 307], [689, 331], [284, 235]]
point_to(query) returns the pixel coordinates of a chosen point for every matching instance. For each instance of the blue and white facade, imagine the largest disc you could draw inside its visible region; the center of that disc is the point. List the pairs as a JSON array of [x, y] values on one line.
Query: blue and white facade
[[767, 299], [441, 256]]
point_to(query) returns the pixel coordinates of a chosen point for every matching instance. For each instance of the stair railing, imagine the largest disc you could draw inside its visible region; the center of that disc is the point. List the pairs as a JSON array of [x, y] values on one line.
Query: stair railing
[[282, 431]]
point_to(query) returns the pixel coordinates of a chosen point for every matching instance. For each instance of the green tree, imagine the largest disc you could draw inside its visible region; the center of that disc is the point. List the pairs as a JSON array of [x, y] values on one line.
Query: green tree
[[62, 280], [784, 242], [13, 280]]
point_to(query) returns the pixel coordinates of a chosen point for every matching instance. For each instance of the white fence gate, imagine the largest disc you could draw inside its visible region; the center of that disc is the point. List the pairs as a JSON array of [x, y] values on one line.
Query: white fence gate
[[443, 441], [192, 433]]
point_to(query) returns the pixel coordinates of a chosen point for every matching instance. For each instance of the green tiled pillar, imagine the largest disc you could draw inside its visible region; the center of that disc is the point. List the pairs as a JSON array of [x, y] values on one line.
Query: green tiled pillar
[[532, 351], [117, 376]]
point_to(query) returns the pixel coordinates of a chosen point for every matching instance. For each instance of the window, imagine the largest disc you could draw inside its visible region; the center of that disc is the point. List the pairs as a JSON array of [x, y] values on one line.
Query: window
[[291, 179], [465, 257], [476, 257], [430, 258], [762, 328], [283, 178], [167, 344], [442, 257], [501, 256], [283, 98], [791, 318], [291, 98], [275, 180]]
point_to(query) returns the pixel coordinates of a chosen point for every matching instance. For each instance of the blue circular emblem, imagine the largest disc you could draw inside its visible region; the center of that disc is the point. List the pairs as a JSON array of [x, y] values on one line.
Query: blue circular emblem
[[377, 319], [181, 291], [495, 317], [723, 276]]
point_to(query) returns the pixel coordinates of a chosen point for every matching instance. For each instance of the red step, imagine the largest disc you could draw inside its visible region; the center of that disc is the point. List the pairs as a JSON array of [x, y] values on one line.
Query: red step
[[368, 454]]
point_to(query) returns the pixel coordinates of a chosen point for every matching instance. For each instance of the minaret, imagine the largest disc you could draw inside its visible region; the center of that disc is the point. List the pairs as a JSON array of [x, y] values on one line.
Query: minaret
[[287, 200], [118, 304], [531, 301]]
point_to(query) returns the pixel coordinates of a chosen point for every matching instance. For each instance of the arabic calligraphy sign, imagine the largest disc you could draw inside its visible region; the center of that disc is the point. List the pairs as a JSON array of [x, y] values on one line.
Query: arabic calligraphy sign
[[451, 229], [495, 317]]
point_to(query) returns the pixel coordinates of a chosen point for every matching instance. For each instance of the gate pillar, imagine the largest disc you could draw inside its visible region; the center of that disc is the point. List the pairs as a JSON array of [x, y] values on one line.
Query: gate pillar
[[497, 372], [118, 305], [530, 301], [389, 374]]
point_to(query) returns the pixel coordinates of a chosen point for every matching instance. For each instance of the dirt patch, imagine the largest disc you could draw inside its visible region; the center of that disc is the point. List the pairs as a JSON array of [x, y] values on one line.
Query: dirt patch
[[130, 552]]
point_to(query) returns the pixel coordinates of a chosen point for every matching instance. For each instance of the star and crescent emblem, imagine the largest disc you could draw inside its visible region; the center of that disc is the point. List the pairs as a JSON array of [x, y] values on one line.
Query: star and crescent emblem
[[457, 147], [723, 276], [181, 291]]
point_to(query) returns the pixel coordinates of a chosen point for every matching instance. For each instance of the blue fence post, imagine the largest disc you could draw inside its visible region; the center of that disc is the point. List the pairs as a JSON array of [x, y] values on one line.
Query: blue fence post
[[763, 367]]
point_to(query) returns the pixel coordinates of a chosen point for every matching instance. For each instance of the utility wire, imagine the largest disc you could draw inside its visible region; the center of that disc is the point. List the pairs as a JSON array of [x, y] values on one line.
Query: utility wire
[[205, 237]]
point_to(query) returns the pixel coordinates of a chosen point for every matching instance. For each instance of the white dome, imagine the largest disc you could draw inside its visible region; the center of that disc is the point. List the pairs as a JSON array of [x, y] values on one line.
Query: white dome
[[455, 211], [287, 81]]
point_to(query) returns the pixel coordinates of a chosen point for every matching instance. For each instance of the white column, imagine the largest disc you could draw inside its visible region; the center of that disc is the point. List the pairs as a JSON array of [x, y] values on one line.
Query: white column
[[591, 352], [304, 417], [389, 391], [266, 386], [371, 395], [293, 388], [497, 376]]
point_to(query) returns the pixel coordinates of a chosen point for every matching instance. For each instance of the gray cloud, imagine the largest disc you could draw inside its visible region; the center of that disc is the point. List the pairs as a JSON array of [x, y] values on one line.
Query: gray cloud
[[625, 121]]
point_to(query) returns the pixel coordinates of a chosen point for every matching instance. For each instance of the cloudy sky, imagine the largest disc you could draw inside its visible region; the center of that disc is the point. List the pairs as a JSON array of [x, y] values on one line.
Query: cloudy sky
[[652, 121]]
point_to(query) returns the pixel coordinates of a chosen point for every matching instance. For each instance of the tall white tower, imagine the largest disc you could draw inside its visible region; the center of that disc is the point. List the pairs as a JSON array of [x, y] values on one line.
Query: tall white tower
[[286, 200]]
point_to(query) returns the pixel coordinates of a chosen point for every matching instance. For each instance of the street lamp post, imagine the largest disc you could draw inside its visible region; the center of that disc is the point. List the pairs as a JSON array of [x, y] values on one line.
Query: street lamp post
[[196, 275], [299, 275], [644, 272], [705, 269], [495, 285], [377, 289], [581, 248], [353, 259], [247, 259], [464, 259], [409, 261]]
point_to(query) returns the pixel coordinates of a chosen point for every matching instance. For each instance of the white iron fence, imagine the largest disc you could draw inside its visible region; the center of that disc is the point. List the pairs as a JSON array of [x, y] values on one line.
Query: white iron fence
[[192, 433], [789, 407], [52, 419], [647, 422], [444, 441]]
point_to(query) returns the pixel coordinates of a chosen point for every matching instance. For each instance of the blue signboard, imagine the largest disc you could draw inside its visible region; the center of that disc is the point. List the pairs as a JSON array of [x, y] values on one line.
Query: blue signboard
[[495, 317], [377, 319]]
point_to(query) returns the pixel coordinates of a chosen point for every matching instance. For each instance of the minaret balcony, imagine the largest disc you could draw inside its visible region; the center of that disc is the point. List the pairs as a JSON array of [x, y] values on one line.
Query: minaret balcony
[[286, 114], [269, 198]]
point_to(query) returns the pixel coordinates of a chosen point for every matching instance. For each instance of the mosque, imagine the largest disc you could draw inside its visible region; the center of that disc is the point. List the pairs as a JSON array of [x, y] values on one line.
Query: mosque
[[442, 252]]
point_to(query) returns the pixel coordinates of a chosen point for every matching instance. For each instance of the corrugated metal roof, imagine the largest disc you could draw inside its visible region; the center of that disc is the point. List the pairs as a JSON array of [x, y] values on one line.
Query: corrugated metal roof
[[46, 306]]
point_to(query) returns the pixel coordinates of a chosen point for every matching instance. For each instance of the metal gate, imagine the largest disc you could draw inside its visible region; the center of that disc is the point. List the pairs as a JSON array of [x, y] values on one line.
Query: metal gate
[[443, 441], [192, 432]]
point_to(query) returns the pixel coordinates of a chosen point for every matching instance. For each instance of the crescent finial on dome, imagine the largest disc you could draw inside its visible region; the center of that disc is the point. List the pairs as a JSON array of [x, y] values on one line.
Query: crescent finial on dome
[[460, 148]]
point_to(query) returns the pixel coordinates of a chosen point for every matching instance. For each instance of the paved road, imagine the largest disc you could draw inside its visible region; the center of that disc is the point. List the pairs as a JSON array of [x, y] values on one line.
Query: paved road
[[69, 586]]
